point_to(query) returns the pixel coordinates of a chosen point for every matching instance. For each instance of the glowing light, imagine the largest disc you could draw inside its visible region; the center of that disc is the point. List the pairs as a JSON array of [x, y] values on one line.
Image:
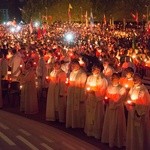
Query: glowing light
[[88, 88], [36, 24], [12, 29], [69, 37], [18, 28], [20, 66]]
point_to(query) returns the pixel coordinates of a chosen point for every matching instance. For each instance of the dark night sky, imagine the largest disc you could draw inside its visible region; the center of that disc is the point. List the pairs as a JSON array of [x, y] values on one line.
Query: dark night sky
[[13, 7]]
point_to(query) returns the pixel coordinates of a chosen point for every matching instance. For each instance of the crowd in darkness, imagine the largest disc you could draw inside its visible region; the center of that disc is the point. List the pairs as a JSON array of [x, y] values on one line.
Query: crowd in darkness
[[93, 75]]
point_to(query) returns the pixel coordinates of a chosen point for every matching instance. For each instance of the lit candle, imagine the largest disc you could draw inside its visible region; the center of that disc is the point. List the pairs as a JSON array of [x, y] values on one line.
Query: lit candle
[[20, 66], [130, 102], [88, 89], [67, 81], [47, 77], [126, 86]]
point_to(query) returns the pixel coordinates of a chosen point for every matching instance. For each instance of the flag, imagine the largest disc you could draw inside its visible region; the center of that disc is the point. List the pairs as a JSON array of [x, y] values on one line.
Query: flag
[[124, 23], [144, 17], [22, 10], [69, 11], [86, 19], [91, 18], [31, 27], [104, 19], [135, 17]]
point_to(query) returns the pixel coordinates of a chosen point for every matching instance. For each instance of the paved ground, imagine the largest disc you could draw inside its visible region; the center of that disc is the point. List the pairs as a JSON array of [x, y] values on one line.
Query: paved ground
[[55, 132], [19, 133]]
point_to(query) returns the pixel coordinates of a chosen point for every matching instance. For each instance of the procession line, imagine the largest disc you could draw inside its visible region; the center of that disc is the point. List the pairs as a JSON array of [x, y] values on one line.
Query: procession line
[[27, 142], [6, 139]]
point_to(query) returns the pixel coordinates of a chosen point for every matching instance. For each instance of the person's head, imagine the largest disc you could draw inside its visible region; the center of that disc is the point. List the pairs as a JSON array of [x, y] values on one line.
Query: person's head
[[97, 68], [115, 78], [41, 54], [29, 65], [57, 65], [137, 79], [14, 51], [106, 63], [129, 72], [75, 65]]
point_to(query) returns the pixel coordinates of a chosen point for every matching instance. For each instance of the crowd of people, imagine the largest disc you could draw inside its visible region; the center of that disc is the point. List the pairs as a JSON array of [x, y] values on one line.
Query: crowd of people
[[93, 75]]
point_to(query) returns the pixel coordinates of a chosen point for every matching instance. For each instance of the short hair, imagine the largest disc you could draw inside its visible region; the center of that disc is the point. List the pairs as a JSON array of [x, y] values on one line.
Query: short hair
[[116, 75], [14, 51], [130, 69], [99, 66]]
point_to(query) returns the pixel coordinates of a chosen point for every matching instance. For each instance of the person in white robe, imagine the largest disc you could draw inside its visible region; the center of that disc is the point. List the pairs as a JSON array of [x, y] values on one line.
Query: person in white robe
[[56, 97], [138, 124], [28, 100], [114, 127], [75, 113], [15, 62], [41, 72], [95, 90], [108, 70]]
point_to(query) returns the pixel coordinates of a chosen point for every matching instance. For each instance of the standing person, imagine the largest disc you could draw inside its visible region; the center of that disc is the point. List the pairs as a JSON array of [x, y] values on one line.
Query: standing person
[[28, 102], [95, 89], [108, 70], [56, 97], [14, 63], [138, 124], [75, 114], [114, 128], [41, 73]]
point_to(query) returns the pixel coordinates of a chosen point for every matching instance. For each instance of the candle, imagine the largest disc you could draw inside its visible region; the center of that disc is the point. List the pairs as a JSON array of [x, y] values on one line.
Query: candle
[[47, 77], [88, 89], [20, 66], [67, 81], [126, 86]]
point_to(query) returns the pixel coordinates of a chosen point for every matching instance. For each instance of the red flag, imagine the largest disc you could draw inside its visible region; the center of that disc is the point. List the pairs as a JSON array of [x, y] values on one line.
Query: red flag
[[69, 11], [135, 17], [31, 26], [104, 19]]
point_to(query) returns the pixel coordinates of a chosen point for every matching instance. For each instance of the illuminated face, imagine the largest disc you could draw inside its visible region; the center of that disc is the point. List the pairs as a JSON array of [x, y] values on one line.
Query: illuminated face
[[95, 71], [115, 80], [128, 75], [75, 67], [137, 80], [57, 66]]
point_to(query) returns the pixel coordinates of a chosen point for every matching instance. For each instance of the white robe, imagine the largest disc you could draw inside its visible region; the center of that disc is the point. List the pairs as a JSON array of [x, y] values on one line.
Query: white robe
[[138, 125], [75, 114], [15, 63], [41, 72], [56, 97], [114, 128], [28, 101], [95, 106]]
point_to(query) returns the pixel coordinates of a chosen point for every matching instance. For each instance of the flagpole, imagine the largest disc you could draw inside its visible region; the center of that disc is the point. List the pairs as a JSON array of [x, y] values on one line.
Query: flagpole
[[81, 14]]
